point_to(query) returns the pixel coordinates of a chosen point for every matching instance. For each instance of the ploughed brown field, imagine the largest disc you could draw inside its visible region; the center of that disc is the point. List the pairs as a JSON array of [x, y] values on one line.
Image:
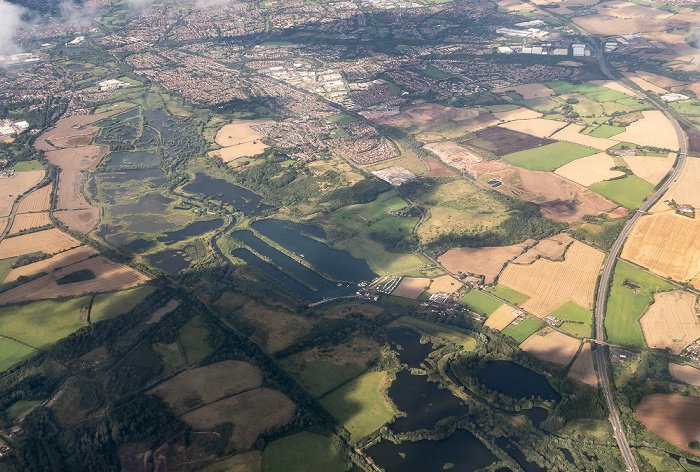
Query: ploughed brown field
[[486, 261], [411, 287], [582, 368], [674, 418], [502, 141]]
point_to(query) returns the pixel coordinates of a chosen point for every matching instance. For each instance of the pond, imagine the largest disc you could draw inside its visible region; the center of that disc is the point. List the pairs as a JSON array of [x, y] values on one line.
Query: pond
[[130, 158], [423, 402], [133, 174], [195, 229], [151, 203], [340, 265], [407, 343], [139, 244], [515, 381], [147, 223], [171, 261], [247, 202], [461, 452]]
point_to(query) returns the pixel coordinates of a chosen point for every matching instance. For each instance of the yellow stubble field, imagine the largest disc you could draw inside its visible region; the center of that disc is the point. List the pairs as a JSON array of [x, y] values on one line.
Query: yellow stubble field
[[671, 322], [590, 169], [551, 347], [486, 261], [653, 130]]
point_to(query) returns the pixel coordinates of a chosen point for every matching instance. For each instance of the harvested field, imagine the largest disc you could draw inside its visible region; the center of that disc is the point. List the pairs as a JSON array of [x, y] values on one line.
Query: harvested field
[[486, 261], [109, 276], [82, 221], [583, 369], [411, 287], [26, 221], [548, 157], [675, 418], [68, 196], [64, 133], [3, 223], [616, 86], [454, 155], [239, 132], [430, 113], [685, 188], [250, 413], [539, 127], [517, 114], [479, 122], [666, 244], [685, 373], [78, 158], [502, 141], [276, 328], [501, 318], [661, 81], [51, 264], [551, 284], [590, 169], [653, 130], [232, 153], [650, 168], [38, 200], [550, 248], [445, 284], [50, 241], [572, 133], [528, 90], [603, 25], [552, 347], [14, 186], [204, 385], [670, 322], [644, 85]]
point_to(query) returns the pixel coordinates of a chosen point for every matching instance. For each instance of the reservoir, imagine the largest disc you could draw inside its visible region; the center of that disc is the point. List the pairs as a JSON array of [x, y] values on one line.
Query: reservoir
[[515, 381], [406, 341], [247, 202]]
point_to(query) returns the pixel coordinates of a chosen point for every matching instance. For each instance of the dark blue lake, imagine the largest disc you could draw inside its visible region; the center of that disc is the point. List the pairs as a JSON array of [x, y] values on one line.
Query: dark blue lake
[[247, 202], [195, 229], [461, 452], [170, 261], [406, 341], [340, 265], [515, 381]]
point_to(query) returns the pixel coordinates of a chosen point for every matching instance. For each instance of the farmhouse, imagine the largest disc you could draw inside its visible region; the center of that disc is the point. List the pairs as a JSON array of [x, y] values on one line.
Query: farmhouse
[[686, 209]]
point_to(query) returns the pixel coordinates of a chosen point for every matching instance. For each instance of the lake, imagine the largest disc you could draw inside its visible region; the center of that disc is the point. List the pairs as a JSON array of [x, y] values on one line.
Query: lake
[[171, 261], [195, 229], [411, 351], [515, 381], [247, 202]]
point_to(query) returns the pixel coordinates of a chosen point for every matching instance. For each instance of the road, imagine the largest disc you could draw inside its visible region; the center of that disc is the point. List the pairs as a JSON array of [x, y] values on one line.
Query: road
[[607, 273]]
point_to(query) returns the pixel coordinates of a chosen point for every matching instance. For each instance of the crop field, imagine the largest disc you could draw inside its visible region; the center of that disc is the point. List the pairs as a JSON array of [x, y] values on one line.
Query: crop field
[[603, 24], [583, 369], [552, 347], [6, 267], [653, 130], [646, 85], [238, 139], [523, 329], [82, 221], [551, 248], [538, 127], [674, 418], [628, 191], [38, 200], [50, 241], [548, 157], [301, 452], [501, 140], [250, 413], [572, 133], [650, 168], [445, 284], [66, 130], [109, 276], [671, 322], [480, 303], [627, 304], [570, 311], [501, 318], [204, 385], [657, 240], [605, 131], [63, 259], [486, 261], [109, 305], [590, 169], [13, 187], [411, 287], [467, 342], [362, 405], [616, 86], [276, 328], [12, 352], [685, 188], [551, 284], [321, 369], [25, 221], [516, 114], [685, 373], [528, 91], [43, 323]]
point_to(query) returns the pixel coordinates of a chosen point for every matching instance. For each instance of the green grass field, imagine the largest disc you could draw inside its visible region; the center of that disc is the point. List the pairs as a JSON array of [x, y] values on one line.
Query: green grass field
[[687, 107], [109, 305], [660, 461], [319, 376], [625, 307], [12, 352], [480, 303], [6, 267], [302, 452], [19, 408], [341, 119], [606, 131], [41, 324], [628, 192], [508, 294], [193, 336], [570, 311], [577, 329], [592, 91], [467, 342], [380, 261], [435, 73], [548, 157], [371, 217], [523, 330], [360, 405], [25, 166]]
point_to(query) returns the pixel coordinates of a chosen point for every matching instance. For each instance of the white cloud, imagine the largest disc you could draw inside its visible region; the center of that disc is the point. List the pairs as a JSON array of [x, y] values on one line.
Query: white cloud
[[10, 21]]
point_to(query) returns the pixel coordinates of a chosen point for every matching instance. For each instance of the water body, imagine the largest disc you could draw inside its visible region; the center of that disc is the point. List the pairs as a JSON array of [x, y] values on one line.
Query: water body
[[123, 176], [411, 351], [515, 381], [423, 402], [338, 264], [170, 261], [195, 229], [324, 288], [461, 452], [148, 223], [131, 158], [151, 203], [247, 202], [512, 450], [139, 244]]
